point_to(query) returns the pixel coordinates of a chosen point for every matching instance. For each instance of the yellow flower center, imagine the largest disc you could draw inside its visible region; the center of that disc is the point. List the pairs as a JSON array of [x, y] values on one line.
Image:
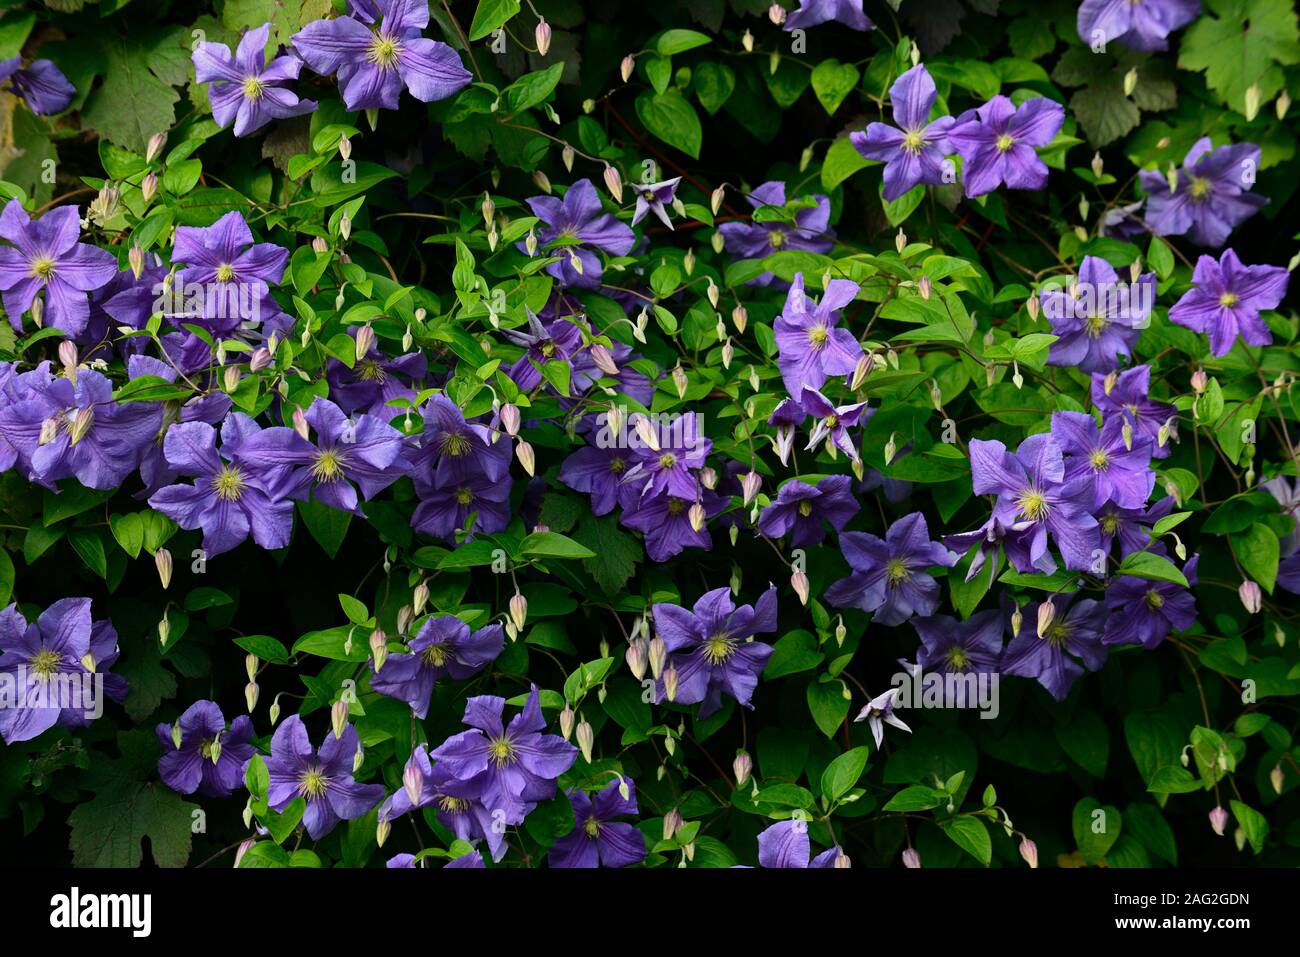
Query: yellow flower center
[[1200, 189], [384, 50], [1059, 634], [1110, 524], [776, 238], [676, 506], [369, 370], [464, 496], [1094, 326], [229, 483], [328, 466], [1099, 460], [1033, 504], [1005, 142], [44, 663], [957, 659], [831, 421], [718, 649], [205, 749], [805, 508], [1155, 600], [547, 349], [667, 460], [253, 88], [1227, 300], [313, 784], [455, 445], [436, 655], [43, 267], [817, 336], [225, 272], [913, 141], [897, 572], [502, 752], [453, 805], [592, 827], [617, 466]]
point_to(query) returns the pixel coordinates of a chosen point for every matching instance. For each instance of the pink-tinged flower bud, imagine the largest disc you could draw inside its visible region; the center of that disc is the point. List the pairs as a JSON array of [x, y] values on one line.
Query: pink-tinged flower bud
[[636, 659], [1032, 306], [420, 598], [1200, 381], [518, 610], [586, 738], [345, 148], [1251, 597], [1126, 432], [1046, 615], [339, 717], [135, 259], [657, 655], [842, 861], [149, 186], [154, 147], [1219, 820], [604, 360], [379, 648], [243, 849], [614, 183], [81, 424], [250, 666], [489, 208], [697, 516], [300, 423], [412, 782], [924, 287], [672, 823], [543, 36], [68, 358], [320, 245], [383, 828], [510, 418], [911, 859], [260, 359], [750, 485], [799, 582], [524, 452], [345, 227], [567, 718], [251, 693], [709, 477], [670, 688], [776, 13], [740, 318], [742, 767], [728, 353], [1277, 778], [626, 67], [1029, 851], [365, 341]]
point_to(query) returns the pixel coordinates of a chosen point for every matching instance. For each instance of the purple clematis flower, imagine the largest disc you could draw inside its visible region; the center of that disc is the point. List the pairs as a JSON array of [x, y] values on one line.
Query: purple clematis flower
[[444, 509], [1211, 194], [454, 451], [1226, 300], [1127, 397], [788, 416], [786, 844], [66, 429], [246, 90], [443, 646], [814, 12], [45, 256], [41, 84], [210, 759], [665, 521], [669, 464], [878, 712], [654, 198], [915, 150], [1288, 574], [577, 223], [1071, 643], [1098, 317], [811, 349], [231, 272], [556, 341], [370, 384], [363, 450], [1144, 612], [229, 498], [712, 650], [1131, 527], [1119, 473], [520, 763], [996, 142], [965, 647], [1137, 24], [599, 470], [809, 231], [56, 669], [597, 840], [889, 575], [833, 422], [459, 805], [379, 48], [799, 508], [1034, 497], [323, 778]]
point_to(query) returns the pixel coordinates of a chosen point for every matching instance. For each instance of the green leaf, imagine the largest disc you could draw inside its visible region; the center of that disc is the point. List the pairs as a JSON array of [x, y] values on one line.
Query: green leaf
[[133, 103], [1257, 549], [1096, 828], [1254, 824], [490, 15], [90, 549], [1104, 112], [1235, 58], [356, 610], [672, 119], [970, 834], [129, 532], [1152, 566], [1087, 741], [832, 81], [903, 207], [6, 578], [842, 774], [918, 797], [672, 42], [265, 647], [618, 552], [828, 705], [329, 526], [1148, 826], [842, 161], [713, 84], [533, 88], [553, 545], [794, 652]]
